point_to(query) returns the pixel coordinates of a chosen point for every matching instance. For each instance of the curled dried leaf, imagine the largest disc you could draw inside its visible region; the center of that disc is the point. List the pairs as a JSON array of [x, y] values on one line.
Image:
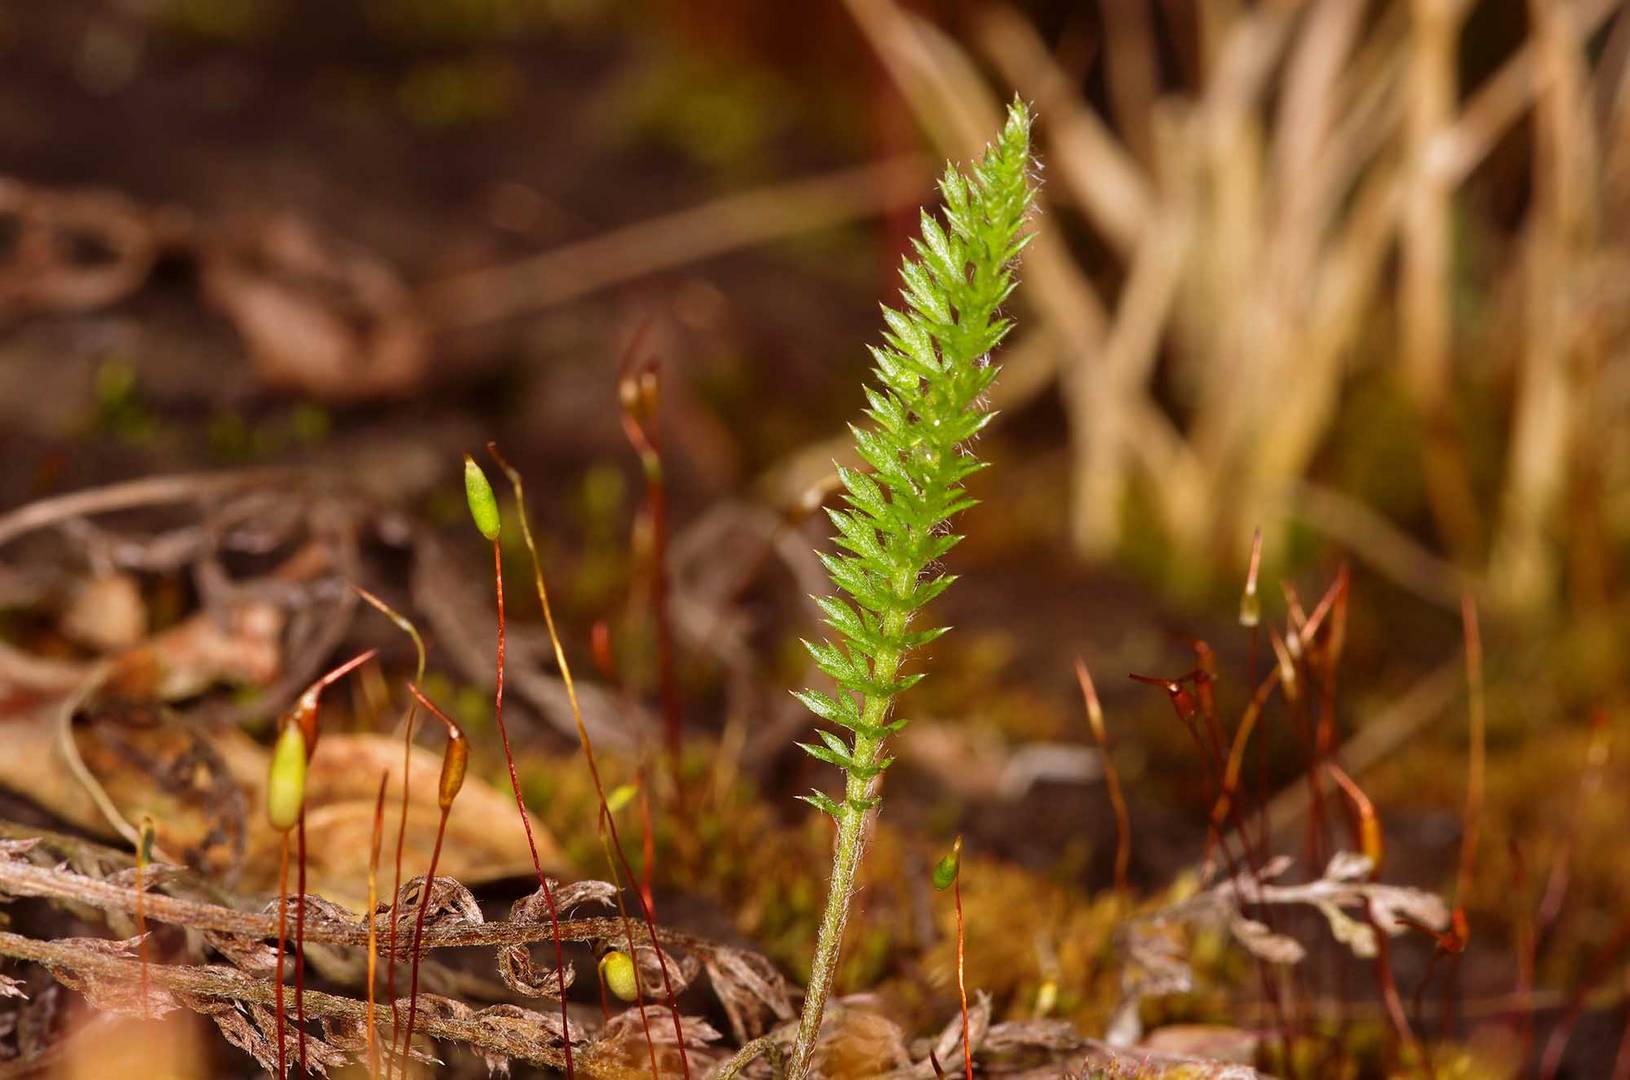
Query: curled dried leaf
[[1262, 942], [749, 988]]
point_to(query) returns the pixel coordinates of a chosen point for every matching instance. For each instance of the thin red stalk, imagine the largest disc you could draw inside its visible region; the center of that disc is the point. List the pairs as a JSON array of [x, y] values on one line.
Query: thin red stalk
[[1204, 677], [1289, 653], [410, 715], [648, 851], [302, 719], [672, 718], [1367, 835], [1236, 754], [1526, 947], [1250, 616], [1621, 1059], [526, 820], [396, 877], [606, 832], [142, 846], [373, 923], [418, 939], [282, 933], [1471, 824], [1183, 705], [1477, 725], [600, 644], [639, 391], [300, 945], [961, 982], [1532, 930], [588, 756], [454, 763], [1606, 959], [1389, 992]]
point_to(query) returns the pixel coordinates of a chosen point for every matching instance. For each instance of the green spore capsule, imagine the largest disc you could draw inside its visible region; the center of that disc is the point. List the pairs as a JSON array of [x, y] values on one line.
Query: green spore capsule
[[483, 503], [945, 871], [617, 973], [286, 783]]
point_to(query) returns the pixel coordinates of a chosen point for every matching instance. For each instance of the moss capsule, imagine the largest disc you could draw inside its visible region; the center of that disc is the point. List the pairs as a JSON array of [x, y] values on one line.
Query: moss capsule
[[617, 972], [453, 763], [945, 871], [286, 783], [483, 503]]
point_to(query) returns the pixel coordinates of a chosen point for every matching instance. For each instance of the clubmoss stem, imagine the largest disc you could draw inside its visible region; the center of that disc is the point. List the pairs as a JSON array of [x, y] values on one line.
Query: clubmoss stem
[[933, 372]]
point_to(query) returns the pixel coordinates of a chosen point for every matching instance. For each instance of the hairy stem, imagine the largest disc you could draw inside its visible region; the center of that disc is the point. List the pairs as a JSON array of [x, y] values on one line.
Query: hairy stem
[[851, 846], [220, 983]]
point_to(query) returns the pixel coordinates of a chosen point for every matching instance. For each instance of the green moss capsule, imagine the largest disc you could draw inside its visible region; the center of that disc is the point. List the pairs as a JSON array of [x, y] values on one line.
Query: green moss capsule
[[945, 871], [286, 783], [483, 503], [617, 973]]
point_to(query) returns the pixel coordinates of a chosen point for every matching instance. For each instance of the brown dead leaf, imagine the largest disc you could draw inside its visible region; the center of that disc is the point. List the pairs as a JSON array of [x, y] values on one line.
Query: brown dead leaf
[[151, 763], [1212, 1042], [32, 764], [242, 645], [205, 791], [105, 613], [318, 315]]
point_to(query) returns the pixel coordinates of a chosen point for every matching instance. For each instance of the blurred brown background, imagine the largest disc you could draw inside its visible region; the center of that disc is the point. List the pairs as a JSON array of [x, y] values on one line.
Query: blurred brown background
[[1353, 273]]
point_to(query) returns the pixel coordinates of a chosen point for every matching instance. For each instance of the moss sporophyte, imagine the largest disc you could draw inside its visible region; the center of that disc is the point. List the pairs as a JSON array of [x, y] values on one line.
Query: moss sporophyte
[[297, 736]]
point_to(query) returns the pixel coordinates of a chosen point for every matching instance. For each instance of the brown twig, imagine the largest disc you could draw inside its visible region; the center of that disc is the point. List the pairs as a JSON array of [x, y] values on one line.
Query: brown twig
[[21, 879], [499, 1035], [726, 224]]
